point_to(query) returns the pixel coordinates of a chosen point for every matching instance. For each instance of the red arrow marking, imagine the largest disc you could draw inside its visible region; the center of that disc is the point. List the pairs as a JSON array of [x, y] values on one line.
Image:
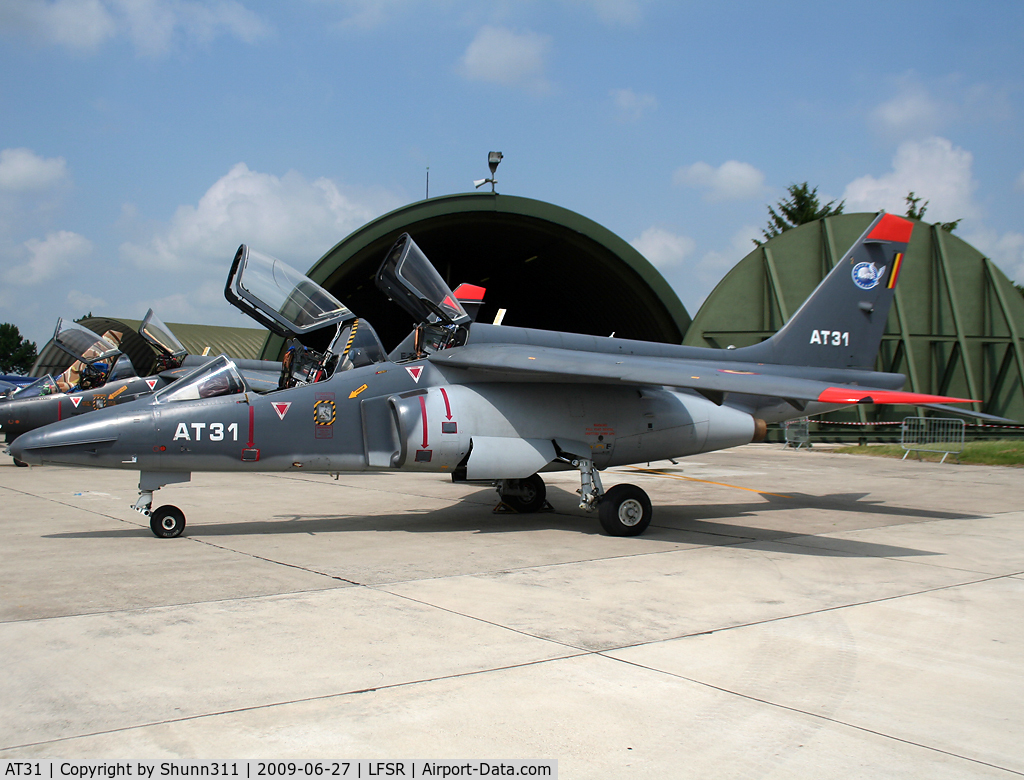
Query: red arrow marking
[[423, 411], [447, 406]]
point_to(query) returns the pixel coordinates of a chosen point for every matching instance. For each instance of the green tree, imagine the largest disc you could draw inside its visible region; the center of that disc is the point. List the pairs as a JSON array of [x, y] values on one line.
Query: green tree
[[917, 212], [802, 206], [16, 354]]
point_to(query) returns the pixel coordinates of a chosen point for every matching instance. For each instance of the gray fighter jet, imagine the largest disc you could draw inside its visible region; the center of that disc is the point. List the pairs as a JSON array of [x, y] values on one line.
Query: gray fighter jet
[[106, 377], [488, 403]]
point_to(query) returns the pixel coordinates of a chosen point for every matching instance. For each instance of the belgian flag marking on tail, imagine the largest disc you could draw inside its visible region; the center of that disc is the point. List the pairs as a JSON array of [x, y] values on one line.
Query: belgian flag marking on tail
[[895, 272]]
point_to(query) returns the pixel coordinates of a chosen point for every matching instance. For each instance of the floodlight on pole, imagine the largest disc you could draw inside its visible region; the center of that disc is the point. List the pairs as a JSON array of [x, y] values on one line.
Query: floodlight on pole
[[493, 158]]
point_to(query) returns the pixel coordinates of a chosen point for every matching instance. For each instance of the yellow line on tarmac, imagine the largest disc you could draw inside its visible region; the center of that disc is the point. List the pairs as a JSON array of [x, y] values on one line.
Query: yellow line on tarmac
[[656, 473]]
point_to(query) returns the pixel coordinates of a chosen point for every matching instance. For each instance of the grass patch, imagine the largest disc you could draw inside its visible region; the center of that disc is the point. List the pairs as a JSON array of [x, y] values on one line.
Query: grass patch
[[1001, 452]]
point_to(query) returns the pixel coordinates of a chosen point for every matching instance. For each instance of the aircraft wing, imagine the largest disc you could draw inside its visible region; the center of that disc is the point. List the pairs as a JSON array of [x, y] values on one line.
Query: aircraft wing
[[514, 362]]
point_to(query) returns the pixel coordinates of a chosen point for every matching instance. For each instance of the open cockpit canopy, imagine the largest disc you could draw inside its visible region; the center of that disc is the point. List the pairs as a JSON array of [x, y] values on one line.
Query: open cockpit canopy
[[82, 344], [279, 297], [407, 277], [160, 336]]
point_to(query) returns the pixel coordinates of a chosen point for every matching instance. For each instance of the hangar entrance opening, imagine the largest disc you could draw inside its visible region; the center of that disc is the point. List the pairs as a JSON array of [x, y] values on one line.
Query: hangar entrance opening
[[548, 267]]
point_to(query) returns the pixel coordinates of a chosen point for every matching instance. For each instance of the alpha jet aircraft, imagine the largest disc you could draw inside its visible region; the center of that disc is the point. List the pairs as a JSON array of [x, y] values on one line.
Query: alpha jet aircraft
[[104, 376], [488, 403]]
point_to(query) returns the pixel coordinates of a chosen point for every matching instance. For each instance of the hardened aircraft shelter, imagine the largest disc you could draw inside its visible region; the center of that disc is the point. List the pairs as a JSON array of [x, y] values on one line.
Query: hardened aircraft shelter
[[548, 267], [955, 327]]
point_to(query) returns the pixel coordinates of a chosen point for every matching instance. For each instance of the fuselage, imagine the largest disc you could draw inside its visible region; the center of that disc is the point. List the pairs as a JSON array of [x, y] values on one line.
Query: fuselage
[[424, 415], [413, 416]]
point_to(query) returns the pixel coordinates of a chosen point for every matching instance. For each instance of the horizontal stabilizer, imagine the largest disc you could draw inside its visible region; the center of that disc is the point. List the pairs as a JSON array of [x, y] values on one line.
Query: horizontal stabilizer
[[860, 395], [992, 418]]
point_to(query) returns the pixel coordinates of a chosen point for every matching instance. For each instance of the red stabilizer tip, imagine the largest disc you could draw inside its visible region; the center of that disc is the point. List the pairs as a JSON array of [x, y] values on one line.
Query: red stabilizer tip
[[892, 228], [842, 395]]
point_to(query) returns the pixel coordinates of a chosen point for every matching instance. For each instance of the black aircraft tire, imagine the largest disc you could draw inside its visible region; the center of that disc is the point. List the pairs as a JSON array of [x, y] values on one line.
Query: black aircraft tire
[[167, 522], [532, 495], [625, 510], [20, 463]]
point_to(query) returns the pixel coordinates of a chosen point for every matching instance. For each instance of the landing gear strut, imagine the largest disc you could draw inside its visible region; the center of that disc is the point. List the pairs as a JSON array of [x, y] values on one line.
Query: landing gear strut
[[166, 522], [624, 510]]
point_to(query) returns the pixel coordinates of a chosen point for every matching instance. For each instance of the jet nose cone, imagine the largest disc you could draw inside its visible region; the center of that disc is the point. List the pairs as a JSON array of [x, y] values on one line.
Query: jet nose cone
[[23, 445], [71, 442]]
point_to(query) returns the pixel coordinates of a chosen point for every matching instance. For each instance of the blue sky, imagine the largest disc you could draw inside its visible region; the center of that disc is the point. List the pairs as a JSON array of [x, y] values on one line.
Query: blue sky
[[142, 140]]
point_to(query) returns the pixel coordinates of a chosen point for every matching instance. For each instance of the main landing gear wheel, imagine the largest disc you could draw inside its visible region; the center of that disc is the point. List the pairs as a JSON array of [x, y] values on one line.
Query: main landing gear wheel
[[167, 522], [529, 495], [625, 510]]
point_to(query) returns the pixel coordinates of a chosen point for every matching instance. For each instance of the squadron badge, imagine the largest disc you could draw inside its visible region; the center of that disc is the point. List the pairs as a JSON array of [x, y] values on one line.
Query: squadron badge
[[324, 414], [867, 275]]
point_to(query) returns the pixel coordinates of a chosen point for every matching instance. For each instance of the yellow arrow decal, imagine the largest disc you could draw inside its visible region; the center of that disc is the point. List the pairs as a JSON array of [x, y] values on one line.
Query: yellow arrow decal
[[357, 391]]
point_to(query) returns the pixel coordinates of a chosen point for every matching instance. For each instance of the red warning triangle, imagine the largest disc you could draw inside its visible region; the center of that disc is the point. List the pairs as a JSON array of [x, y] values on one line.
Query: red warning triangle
[[75, 400], [151, 383], [281, 407], [415, 372]]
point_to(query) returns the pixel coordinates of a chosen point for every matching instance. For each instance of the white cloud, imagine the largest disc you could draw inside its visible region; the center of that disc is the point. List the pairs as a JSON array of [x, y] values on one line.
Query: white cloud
[[77, 24], [932, 169], [732, 180], [714, 265], [500, 56], [288, 216], [368, 14], [913, 110], [153, 26], [662, 248], [82, 303], [694, 279], [202, 303], [631, 105], [22, 170], [45, 259], [628, 12]]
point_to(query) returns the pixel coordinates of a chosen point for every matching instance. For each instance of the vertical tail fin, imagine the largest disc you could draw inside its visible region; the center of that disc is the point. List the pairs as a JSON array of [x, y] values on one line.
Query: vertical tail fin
[[841, 324]]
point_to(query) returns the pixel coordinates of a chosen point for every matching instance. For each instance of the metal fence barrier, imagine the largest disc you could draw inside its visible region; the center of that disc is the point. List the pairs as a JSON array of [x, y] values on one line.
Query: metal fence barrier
[[798, 432], [932, 434]]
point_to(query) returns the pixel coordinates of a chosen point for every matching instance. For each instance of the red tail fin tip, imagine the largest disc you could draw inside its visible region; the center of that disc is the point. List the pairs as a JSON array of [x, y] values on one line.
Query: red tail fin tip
[[892, 228]]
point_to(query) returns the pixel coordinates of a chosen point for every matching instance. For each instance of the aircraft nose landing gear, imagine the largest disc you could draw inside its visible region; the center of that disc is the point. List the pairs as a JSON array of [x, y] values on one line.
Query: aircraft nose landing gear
[[624, 510], [166, 522]]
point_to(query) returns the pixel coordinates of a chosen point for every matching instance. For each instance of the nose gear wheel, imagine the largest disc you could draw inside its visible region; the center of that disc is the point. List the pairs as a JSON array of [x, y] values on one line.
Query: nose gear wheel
[[624, 510]]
